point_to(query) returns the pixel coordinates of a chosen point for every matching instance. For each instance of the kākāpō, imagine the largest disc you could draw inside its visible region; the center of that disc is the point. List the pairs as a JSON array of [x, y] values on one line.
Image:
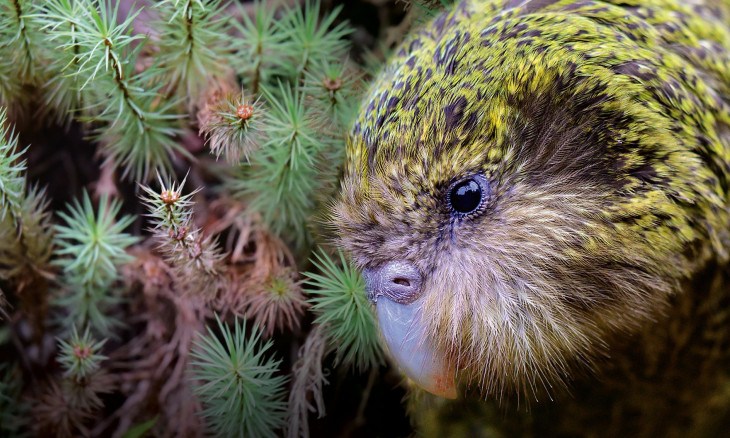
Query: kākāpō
[[537, 192]]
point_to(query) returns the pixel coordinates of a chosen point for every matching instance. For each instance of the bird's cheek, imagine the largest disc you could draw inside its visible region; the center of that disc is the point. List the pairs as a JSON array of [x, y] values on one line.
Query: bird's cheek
[[405, 334]]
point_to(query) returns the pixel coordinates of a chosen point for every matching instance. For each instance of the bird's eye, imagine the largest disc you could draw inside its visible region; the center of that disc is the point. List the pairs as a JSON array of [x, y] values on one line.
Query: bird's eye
[[467, 195]]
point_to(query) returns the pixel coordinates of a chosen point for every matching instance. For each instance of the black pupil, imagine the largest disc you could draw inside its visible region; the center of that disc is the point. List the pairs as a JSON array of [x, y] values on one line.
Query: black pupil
[[466, 196]]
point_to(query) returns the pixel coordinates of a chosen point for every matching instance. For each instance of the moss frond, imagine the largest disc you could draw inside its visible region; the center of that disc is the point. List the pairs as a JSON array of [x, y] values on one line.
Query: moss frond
[[192, 37], [241, 389], [80, 356], [337, 296], [91, 245], [194, 255], [234, 126]]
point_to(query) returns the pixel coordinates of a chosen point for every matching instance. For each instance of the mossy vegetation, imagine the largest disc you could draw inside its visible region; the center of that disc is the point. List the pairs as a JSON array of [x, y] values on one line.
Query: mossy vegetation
[[165, 174]]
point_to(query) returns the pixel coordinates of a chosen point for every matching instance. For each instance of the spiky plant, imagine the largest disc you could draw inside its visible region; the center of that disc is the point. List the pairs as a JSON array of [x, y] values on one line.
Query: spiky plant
[[133, 120], [93, 241], [90, 251], [12, 168], [79, 356], [311, 37], [241, 389], [334, 86], [23, 52], [197, 260], [234, 126], [278, 304], [260, 45], [67, 408], [281, 178], [25, 229], [192, 42], [84, 379], [337, 296]]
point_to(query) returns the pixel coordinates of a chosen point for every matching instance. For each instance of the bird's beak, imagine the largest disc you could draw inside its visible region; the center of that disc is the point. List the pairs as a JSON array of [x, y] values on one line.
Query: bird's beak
[[395, 289], [408, 344]]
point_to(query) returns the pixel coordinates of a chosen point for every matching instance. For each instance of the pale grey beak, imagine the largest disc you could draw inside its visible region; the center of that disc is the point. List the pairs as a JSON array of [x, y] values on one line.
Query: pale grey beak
[[396, 289]]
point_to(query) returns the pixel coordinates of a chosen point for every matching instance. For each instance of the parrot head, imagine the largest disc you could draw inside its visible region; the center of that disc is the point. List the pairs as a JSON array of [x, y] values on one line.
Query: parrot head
[[518, 191]]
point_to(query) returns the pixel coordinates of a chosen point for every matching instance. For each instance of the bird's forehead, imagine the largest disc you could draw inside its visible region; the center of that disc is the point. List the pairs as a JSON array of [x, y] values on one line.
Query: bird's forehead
[[447, 99], [429, 124]]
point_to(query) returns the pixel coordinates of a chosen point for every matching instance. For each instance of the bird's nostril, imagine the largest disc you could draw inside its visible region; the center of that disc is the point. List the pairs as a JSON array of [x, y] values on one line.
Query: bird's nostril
[[397, 280], [402, 282]]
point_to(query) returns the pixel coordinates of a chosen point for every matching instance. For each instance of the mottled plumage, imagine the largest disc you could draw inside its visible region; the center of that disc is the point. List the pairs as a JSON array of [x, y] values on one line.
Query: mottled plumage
[[599, 255]]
